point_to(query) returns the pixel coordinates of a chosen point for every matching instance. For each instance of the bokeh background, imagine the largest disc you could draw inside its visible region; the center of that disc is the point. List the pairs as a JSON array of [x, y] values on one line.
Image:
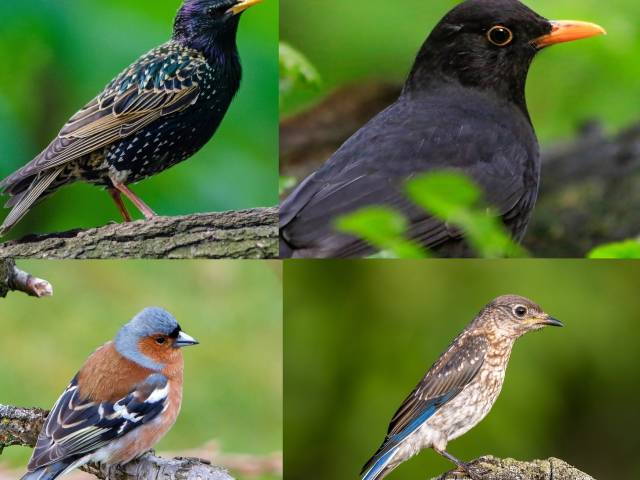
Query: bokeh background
[[58, 55], [233, 380], [360, 335], [349, 42]]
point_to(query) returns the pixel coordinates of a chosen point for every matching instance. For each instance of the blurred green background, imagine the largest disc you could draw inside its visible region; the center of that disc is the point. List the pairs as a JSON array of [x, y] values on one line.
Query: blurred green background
[[349, 42], [233, 379], [360, 335], [58, 55]]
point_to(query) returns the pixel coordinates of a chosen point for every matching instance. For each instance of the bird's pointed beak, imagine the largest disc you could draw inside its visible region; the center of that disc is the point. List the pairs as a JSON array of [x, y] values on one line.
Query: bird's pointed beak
[[551, 321], [568, 31], [184, 340], [242, 5]]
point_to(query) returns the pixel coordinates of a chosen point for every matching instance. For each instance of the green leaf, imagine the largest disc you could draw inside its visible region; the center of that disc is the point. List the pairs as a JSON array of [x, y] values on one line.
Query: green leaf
[[295, 70], [456, 200], [382, 228], [623, 250]]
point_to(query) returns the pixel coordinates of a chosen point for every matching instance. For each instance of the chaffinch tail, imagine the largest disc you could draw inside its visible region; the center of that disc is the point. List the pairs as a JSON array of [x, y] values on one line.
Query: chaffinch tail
[[123, 400], [459, 390]]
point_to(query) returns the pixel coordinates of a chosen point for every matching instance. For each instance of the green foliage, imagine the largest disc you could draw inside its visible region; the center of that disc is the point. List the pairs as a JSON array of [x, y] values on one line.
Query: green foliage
[[448, 196], [58, 55], [623, 250], [384, 229], [456, 200], [296, 71]]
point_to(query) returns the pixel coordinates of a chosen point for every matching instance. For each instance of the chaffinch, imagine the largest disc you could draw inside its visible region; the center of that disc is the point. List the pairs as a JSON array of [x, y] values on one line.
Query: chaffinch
[[123, 400]]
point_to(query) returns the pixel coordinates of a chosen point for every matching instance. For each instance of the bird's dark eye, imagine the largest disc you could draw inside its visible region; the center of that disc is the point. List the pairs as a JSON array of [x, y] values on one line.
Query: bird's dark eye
[[500, 36], [160, 340], [520, 311], [215, 12]]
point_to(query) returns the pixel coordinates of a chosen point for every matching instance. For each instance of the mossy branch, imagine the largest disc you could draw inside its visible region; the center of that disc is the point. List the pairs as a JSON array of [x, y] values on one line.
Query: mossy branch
[[239, 234], [20, 426], [14, 279]]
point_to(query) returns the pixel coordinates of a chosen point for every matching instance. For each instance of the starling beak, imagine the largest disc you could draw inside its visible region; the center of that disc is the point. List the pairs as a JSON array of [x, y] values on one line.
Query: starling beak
[[463, 108], [158, 112]]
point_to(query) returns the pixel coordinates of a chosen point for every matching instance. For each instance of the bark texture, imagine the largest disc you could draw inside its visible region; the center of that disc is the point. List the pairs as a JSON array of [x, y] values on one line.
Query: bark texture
[[590, 188], [20, 426], [12, 278], [240, 234], [492, 468]]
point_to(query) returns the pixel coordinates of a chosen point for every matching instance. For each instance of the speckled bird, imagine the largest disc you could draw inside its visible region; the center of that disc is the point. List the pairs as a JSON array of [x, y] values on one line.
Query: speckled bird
[[158, 112], [460, 389]]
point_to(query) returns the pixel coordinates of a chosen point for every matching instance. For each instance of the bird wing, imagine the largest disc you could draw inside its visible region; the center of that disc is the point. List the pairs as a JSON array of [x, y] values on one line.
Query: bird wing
[[164, 81], [408, 138], [77, 426], [455, 369]]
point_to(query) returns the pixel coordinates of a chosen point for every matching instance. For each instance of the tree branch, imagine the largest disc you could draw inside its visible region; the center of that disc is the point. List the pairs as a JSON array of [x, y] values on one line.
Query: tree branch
[[492, 468], [590, 189], [12, 278], [20, 426], [240, 234]]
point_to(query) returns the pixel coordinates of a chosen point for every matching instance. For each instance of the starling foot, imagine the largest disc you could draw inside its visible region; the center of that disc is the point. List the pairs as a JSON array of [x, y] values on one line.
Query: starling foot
[[140, 205], [115, 194]]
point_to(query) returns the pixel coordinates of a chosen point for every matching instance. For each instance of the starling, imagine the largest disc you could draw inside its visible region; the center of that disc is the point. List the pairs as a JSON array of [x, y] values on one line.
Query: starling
[[462, 108], [460, 389], [156, 113]]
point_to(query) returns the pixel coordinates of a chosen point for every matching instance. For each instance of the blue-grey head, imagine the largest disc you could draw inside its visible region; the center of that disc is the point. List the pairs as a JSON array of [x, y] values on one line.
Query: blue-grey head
[[150, 336], [202, 24]]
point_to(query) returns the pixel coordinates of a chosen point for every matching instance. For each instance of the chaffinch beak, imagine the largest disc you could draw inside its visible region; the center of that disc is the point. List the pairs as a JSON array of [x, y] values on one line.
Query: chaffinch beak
[[184, 340], [242, 5]]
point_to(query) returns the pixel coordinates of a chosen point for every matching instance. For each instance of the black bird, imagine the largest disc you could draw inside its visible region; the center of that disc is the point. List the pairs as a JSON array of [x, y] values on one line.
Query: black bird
[[156, 113], [463, 107]]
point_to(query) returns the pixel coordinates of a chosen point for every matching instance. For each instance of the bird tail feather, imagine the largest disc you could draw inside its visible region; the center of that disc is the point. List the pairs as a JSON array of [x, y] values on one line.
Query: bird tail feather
[[24, 201], [380, 467], [50, 472]]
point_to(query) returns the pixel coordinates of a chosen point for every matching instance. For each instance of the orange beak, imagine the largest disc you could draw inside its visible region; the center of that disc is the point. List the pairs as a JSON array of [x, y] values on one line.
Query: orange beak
[[568, 31]]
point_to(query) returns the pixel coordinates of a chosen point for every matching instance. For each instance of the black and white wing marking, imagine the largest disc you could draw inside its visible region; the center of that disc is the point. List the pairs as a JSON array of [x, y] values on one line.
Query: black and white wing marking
[[77, 427]]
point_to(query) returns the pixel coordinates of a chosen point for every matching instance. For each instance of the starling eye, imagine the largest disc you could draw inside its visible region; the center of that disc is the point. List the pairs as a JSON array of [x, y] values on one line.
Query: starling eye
[[214, 12], [520, 311], [160, 340], [500, 36]]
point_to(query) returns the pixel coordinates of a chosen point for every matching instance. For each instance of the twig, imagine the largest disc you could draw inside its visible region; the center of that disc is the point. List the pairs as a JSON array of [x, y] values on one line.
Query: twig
[[241, 234], [12, 278], [20, 426], [492, 468]]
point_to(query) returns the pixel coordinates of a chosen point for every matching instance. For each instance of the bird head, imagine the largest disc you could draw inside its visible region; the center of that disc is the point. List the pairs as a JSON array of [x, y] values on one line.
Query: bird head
[[511, 316], [490, 44], [201, 23], [153, 339]]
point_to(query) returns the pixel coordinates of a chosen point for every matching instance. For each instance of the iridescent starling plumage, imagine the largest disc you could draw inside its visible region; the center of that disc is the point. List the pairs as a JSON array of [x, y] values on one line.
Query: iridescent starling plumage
[[156, 113], [460, 389]]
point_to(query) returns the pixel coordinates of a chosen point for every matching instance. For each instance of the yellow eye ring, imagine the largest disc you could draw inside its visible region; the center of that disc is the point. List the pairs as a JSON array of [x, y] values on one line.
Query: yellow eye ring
[[500, 36]]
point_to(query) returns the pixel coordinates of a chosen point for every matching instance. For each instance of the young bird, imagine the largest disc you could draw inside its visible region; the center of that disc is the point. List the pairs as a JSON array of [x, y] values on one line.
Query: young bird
[[158, 112], [123, 400], [459, 390], [462, 108]]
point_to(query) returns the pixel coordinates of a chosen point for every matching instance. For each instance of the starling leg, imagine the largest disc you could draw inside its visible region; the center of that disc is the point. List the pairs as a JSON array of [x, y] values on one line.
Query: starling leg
[[115, 194], [140, 205], [465, 467]]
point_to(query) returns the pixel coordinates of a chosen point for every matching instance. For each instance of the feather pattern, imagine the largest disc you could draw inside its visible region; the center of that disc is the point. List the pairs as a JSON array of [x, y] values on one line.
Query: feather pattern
[[77, 427]]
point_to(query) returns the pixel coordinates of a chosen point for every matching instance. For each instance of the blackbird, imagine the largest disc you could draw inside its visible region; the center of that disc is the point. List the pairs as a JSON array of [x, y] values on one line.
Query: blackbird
[[462, 108], [158, 112]]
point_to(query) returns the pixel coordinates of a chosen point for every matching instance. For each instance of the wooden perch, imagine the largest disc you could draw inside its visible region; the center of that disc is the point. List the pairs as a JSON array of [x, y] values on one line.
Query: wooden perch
[[492, 468], [240, 234], [20, 426], [12, 278], [590, 189]]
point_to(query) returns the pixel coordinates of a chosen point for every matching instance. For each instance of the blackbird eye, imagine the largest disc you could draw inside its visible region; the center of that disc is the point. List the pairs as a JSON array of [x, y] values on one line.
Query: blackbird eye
[[520, 311], [160, 340], [500, 36]]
